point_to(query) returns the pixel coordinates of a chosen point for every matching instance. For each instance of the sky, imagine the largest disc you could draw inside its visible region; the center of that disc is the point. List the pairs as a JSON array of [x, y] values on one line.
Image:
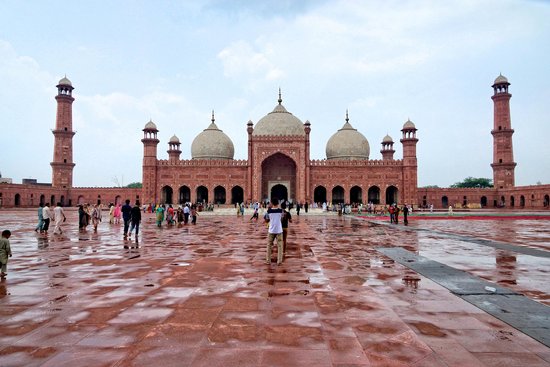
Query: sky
[[429, 61]]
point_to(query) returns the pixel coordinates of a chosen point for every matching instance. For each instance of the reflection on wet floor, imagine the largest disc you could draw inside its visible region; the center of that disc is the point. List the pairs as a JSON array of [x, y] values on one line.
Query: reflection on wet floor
[[201, 296]]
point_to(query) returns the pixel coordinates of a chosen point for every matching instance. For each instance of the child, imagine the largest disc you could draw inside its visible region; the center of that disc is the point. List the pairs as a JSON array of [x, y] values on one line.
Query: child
[[194, 214], [5, 251]]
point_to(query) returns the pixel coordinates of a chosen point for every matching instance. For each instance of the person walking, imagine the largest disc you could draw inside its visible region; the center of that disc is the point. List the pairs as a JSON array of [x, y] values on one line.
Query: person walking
[[126, 211], [306, 206], [275, 231], [186, 214], [396, 214], [136, 219], [5, 252], [47, 216], [160, 215], [194, 214], [96, 216], [285, 219], [255, 215], [59, 218], [405, 214], [111, 213], [298, 207], [118, 212], [40, 219]]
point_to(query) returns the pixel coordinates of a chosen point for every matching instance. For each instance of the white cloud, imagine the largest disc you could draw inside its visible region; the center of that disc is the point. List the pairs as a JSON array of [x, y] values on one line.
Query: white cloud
[[241, 59]]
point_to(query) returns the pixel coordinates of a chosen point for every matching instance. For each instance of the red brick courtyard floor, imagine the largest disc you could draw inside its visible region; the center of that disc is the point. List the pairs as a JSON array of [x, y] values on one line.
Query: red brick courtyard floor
[[202, 295]]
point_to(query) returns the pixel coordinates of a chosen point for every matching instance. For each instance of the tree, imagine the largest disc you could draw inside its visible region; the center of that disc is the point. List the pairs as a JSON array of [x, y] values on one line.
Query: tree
[[135, 185], [472, 182]]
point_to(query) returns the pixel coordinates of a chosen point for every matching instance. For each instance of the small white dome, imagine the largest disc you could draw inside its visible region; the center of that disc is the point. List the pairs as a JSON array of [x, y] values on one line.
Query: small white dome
[[501, 79], [387, 139], [174, 140], [150, 126], [65, 81], [409, 125]]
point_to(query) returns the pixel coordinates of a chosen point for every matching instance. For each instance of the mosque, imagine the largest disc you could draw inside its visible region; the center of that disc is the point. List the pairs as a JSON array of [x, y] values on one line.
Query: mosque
[[279, 165]]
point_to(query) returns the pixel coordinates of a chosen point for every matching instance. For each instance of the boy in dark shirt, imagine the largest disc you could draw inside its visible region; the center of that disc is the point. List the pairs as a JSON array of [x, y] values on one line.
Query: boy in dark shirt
[[285, 219], [135, 215], [126, 216]]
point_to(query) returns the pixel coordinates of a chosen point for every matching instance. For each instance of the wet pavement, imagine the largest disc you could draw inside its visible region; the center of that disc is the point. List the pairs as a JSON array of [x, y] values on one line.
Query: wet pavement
[[202, 295]]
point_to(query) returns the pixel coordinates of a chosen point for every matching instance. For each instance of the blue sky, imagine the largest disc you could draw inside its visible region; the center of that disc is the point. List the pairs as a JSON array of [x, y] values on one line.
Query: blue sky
[[385, 61]]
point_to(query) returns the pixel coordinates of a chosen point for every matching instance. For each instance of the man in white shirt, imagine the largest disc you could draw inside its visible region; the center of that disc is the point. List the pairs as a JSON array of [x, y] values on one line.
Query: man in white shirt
[[47, 216], [274, 215], [59, 216]]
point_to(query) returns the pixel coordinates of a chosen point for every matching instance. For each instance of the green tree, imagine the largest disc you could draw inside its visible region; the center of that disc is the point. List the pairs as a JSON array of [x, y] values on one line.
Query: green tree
[[472, 182], [135, 185]]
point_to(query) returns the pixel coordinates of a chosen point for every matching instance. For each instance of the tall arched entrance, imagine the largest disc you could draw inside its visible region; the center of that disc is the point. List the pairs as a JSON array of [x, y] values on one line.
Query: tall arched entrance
[[392, 195], [202, 194], [279, 191], [219, 195], [278, 171], [356, 195], [320, 195], [237, 195], [374, 194], [166, 195], [184, 195], [338, 195]]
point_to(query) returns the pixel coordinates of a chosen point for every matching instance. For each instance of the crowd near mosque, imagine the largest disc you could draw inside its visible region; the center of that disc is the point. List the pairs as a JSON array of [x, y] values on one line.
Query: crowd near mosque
[[276, 215]]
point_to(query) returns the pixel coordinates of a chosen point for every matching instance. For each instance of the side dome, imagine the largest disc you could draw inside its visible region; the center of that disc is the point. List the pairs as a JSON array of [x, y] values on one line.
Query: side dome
[[150, 126], [65, 81], [279, 122], [174, 140], [501, 79], [348, 143], [212, 143], [409, 125]]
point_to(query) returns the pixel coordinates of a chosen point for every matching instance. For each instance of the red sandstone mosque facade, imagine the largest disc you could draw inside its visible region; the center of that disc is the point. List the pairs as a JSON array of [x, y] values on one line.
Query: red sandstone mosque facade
[[279, 165]]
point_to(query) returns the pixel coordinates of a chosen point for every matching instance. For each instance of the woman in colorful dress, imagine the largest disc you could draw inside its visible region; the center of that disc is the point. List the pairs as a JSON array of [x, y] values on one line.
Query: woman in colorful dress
[[160, 215]]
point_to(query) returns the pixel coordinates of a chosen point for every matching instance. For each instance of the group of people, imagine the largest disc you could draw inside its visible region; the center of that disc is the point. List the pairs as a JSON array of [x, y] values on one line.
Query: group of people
[[47, 215], [177, 216], [87, 213], [394, 211]]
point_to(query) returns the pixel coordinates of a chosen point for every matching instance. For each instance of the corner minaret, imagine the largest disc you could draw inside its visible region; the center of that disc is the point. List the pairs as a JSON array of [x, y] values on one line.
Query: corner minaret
[[503, 152], [387, 148], [149, 180], [410, 163], [174, 150], [62, 165]]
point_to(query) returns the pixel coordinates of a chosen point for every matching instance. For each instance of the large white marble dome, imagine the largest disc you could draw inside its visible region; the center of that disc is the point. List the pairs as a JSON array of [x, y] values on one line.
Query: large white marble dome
[[279, 122], [212, 143], [348, 143]]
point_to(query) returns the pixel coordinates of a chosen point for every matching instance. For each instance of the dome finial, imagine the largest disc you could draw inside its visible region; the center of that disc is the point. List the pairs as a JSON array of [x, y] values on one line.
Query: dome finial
[[213, 119], [347, 118], [280, 100]]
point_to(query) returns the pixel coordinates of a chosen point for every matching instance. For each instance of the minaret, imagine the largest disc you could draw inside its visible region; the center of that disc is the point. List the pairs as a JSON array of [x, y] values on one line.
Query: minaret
[[150, 142], [503, 152], [174, 149], [387, 148], [62, 165], [410, 164]]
